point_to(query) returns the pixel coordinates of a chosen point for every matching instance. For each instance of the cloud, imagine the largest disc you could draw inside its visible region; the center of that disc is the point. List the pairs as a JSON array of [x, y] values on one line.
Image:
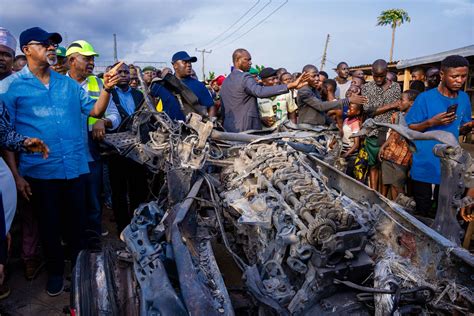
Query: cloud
[[152, 30]]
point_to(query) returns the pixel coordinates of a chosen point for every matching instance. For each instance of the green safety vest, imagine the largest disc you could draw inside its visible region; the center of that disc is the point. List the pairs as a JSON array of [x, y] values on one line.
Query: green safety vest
[[94, 86]]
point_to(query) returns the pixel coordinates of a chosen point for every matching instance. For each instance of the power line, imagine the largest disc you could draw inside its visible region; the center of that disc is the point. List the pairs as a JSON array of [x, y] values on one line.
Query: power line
[[245, 23], [256, 25], [203, 51], [238, 20]]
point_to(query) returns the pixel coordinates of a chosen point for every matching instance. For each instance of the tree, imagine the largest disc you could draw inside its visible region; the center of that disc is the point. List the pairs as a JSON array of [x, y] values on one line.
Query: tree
[[212, 75], [394, 18], [259, 68]]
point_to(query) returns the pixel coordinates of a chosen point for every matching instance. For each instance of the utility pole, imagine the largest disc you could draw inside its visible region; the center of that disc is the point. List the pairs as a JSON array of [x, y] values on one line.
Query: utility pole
[[203, 51], [323, 59], [115, 48]]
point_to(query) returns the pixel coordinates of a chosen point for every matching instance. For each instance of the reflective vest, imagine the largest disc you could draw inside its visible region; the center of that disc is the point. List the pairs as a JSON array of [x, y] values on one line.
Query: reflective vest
[[94, 86], [159, 106]]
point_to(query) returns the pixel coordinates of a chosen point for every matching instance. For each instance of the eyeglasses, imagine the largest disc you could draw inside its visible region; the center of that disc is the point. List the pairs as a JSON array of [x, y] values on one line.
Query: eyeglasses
[[45, 44]]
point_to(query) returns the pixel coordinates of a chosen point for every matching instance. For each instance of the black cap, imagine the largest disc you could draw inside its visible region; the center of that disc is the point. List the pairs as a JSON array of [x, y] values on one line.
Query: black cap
[[183, 56], [40, 35], [267, 72]]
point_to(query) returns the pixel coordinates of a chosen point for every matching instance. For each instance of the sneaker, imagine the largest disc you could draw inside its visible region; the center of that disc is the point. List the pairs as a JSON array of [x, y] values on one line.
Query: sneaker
[[4, 291], [32, 268], [55, 285]]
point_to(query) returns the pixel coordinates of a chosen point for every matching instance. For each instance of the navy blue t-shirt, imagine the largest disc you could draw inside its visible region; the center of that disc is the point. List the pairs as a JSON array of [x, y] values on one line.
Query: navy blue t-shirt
[[426, 167], [171, 105]]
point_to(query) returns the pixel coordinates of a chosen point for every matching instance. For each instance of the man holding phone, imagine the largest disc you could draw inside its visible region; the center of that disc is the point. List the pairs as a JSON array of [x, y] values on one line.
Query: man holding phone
[[445, 108]]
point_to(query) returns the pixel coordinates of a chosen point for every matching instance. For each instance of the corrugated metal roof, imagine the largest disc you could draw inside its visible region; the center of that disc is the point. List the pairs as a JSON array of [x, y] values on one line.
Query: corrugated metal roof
[[392, 64], [463, 51]]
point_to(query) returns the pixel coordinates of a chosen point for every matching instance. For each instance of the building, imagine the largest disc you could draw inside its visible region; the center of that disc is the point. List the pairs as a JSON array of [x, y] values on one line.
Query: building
[[404, 67]]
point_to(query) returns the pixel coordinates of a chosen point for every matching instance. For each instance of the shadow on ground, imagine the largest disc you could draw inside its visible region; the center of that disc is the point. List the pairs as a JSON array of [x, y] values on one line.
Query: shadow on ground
[[29, 298]]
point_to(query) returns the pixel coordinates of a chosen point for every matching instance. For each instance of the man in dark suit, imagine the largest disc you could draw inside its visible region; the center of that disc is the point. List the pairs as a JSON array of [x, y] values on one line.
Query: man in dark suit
[[311, 108], [239, 94]]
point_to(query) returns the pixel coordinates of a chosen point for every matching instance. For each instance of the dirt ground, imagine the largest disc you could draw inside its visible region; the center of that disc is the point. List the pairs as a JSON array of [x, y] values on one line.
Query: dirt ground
[[29, 298]]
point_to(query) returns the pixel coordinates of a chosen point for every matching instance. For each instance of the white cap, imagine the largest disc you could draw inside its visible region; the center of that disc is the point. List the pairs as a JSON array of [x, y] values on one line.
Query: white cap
[[7, 39]]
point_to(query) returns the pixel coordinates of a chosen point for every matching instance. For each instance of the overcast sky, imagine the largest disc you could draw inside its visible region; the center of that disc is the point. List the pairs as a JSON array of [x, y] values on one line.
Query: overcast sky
[[289, 34]]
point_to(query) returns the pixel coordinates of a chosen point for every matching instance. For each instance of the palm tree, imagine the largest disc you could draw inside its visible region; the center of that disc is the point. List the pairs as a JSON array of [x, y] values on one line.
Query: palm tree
[[394, 18]]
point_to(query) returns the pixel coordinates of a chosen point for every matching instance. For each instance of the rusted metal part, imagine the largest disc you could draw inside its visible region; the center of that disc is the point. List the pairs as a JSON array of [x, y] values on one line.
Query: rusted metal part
[[157, 295], [292, 223], [198, 297], [103, 286], [453, 167]]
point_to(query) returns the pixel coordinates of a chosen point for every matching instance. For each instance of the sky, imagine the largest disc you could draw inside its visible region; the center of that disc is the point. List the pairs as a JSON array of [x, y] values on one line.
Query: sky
[[277, 33]]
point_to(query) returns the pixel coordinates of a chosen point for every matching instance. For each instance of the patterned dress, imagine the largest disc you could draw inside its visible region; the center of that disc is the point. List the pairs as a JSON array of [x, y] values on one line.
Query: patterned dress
[[11, 140]]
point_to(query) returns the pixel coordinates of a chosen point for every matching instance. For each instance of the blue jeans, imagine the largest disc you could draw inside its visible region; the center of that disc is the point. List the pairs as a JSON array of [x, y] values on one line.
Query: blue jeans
[[94, 203]]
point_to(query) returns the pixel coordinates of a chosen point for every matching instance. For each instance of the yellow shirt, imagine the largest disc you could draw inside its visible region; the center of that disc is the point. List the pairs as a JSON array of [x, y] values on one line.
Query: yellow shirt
[[268, 107]]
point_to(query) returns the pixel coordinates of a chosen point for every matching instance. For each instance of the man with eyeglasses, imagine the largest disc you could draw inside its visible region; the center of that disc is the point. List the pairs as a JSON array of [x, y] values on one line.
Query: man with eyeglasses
[[47, 105]]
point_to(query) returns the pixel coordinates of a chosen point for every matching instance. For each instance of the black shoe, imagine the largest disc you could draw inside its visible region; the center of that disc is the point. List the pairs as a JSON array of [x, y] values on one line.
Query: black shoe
[[55, 285]]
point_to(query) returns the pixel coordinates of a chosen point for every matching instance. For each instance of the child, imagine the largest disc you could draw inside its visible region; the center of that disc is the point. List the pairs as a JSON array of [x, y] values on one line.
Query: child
[[350, 146], [395, 153]]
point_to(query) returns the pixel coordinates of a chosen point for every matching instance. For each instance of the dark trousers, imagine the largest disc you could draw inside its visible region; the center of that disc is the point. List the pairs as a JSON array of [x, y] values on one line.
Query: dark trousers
[[56, 202], [129, 188], [350, 165], [422, 193], [94, 203]]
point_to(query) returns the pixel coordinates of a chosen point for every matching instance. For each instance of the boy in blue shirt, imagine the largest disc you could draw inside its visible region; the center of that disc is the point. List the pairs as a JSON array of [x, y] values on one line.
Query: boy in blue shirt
[[430, 112]]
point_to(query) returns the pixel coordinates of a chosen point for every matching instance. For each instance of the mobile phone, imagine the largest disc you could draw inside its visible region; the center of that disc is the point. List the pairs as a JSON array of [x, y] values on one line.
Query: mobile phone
[[452, 108]]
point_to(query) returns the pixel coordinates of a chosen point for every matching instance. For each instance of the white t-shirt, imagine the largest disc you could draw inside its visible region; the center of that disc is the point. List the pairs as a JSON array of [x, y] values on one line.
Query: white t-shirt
[[341, 89], [268, 106]]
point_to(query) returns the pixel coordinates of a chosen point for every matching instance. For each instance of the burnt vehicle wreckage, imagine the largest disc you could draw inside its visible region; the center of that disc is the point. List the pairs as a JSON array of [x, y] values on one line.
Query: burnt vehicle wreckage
[[265, 224]]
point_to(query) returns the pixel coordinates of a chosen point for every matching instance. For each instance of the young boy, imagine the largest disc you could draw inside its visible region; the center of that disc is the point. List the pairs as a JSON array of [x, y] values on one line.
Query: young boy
[[328, 93], [350, 146], [395, 153]]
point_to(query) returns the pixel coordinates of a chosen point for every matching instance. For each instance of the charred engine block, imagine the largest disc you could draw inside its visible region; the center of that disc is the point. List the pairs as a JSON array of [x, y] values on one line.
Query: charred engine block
[[291, 226]]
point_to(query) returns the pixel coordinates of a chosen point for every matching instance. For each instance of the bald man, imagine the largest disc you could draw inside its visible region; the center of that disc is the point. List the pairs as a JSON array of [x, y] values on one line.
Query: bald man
[[239, 94], [383, 99]]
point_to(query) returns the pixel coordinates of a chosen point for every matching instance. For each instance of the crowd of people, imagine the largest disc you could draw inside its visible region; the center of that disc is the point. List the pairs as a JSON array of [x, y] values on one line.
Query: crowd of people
[[55, 113]]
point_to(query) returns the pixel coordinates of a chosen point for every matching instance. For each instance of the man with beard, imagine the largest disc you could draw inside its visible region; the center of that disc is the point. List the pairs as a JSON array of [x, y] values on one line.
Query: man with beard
[[47, 105], [81, 56], [239, 94], [445, 108], [343, 83], [61, 65], [127, 178], [432, 78]]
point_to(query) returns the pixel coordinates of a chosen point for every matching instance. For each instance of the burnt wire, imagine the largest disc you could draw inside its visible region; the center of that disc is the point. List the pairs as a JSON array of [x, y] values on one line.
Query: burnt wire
[[212, 191]]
